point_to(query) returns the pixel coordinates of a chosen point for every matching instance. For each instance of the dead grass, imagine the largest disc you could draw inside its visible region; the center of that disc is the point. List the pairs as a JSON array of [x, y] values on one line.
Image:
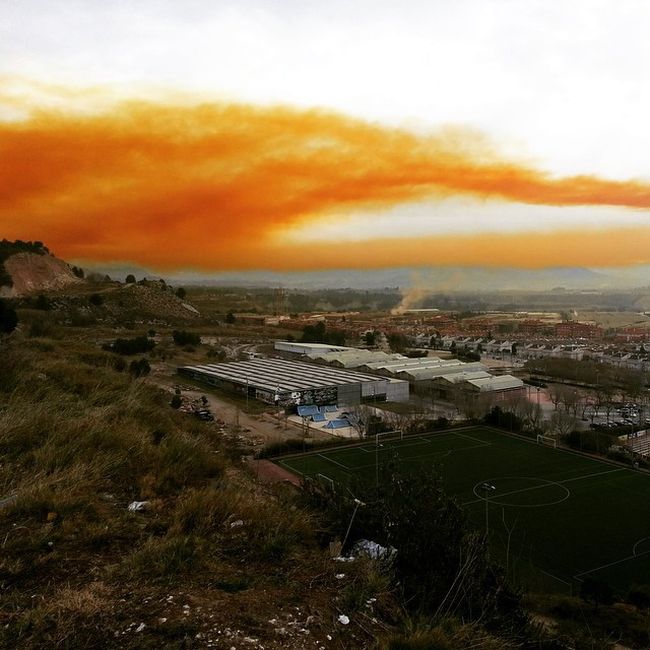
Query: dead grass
[[78, 442]]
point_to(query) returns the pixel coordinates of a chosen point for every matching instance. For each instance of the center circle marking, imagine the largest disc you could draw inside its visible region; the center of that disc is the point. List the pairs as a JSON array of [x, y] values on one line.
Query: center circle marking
[[535, 483]]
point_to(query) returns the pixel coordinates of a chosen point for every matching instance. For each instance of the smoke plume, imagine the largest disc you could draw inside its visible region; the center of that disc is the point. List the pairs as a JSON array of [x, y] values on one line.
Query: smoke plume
[[213, 186]]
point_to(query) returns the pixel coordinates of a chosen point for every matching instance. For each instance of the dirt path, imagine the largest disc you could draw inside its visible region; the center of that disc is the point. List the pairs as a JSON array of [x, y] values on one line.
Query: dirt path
[[269, 472], [264, 427]]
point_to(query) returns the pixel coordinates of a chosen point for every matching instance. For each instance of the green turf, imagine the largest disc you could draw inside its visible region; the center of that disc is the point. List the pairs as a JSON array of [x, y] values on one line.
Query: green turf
[[570, 516]]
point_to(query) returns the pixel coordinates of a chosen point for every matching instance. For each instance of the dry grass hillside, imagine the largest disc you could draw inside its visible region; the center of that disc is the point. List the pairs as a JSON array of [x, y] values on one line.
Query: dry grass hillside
[[213, 560]]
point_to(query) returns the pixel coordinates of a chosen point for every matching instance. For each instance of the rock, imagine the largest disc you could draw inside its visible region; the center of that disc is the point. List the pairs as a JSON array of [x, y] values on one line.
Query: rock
[[138, 506]]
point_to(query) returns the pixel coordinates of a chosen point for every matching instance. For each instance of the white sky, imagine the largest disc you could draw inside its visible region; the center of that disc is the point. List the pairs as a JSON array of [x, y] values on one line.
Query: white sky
[[563, 85]]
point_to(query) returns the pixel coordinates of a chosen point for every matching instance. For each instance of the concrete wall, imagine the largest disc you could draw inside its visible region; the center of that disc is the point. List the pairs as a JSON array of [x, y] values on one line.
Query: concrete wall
[[397, 391]]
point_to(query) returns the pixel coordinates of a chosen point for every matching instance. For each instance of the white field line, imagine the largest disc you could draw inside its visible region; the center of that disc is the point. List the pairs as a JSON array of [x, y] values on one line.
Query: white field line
[[643, 539], [580, 478], [605, 566], [464, 435], [545, 485], [336, 462], [550, 575], [389, 445], [433, 454], [428, 440], [290, 468]]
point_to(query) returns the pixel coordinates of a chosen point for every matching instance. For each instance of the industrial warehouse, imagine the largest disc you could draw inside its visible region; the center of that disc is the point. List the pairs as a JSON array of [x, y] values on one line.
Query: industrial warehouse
[[445, 377], [293, 383]]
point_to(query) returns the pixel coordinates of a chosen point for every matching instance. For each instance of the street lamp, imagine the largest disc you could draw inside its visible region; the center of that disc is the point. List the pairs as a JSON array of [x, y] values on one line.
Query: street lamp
[[357, 504], [487, 488]]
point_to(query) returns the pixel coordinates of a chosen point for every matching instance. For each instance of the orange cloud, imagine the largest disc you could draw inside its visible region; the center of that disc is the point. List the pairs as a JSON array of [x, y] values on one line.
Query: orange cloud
[[210, 186]]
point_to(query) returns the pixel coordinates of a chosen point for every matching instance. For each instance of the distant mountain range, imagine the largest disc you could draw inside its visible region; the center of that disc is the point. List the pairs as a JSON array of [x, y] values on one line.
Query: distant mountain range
[[428, 278]]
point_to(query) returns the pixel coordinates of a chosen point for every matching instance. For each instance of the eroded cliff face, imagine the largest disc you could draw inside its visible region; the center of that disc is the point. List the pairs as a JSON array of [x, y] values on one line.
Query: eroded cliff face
[[31, 272]]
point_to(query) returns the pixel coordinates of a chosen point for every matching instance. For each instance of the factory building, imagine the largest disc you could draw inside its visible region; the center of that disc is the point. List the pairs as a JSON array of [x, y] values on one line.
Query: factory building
[[444, 377], [293, 383], [295, 347]]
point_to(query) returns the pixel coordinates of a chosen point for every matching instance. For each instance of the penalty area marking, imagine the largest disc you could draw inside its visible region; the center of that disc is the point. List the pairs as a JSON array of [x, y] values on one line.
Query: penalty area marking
[[443, 453], [336, 462], [370, 448], [484, 443]]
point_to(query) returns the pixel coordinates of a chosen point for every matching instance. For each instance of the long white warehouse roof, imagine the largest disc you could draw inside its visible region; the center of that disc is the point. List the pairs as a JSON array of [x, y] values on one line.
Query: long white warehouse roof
[[502, 382], [285, 375]]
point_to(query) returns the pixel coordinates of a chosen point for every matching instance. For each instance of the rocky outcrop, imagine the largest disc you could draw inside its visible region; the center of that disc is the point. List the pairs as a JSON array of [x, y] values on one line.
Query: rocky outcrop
[[31, 273], [148, 301]]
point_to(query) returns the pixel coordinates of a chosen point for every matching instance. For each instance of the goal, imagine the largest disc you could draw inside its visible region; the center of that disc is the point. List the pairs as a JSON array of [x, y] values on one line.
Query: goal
[[326, 480], [388, 436], [547, 440]]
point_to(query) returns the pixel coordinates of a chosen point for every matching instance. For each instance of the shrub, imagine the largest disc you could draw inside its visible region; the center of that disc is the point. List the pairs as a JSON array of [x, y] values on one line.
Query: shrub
[[96, 299], [181, 337], [139, 368], [164, 557], [136, 345], [370, 578], [8, 318], [39, 328], [203, 512], [596, 592], [183, 461], [436, 546], [284, 447], [42, 302], [640, 596]]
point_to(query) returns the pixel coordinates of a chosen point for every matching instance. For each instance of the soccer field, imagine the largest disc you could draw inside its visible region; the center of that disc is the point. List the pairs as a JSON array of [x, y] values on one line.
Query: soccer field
[[568, 517]]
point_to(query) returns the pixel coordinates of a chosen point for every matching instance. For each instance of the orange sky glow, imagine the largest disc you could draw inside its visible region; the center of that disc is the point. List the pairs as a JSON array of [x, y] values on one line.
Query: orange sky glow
[[218, 186]]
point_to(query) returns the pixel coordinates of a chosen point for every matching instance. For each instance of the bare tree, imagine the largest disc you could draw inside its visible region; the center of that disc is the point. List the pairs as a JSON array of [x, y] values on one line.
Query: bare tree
[[562, 423], [532, 414], [359, 420], [605, 398], [555, 394], [587, 403], [570, 399]]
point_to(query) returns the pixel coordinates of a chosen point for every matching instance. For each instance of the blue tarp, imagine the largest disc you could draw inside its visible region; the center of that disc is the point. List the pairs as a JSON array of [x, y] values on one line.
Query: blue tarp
[[337, 424], [318, 417], [304, 411]]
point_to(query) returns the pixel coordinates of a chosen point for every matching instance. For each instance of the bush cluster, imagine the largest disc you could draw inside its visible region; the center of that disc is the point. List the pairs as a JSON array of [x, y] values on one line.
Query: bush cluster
[[136, 345], [8, 318], [181, 337]]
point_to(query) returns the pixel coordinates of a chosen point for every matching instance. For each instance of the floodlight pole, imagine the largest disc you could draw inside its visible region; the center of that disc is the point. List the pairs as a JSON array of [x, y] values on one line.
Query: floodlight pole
[[487, 488], [377, 462]]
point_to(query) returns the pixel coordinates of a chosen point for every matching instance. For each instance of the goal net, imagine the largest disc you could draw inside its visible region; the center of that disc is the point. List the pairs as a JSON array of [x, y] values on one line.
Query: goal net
[[326, 481], [547, 440], [387, 436]]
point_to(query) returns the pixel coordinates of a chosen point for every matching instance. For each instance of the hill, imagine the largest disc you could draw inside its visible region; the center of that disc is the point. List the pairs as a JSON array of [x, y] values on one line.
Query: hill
[[28, 267]]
